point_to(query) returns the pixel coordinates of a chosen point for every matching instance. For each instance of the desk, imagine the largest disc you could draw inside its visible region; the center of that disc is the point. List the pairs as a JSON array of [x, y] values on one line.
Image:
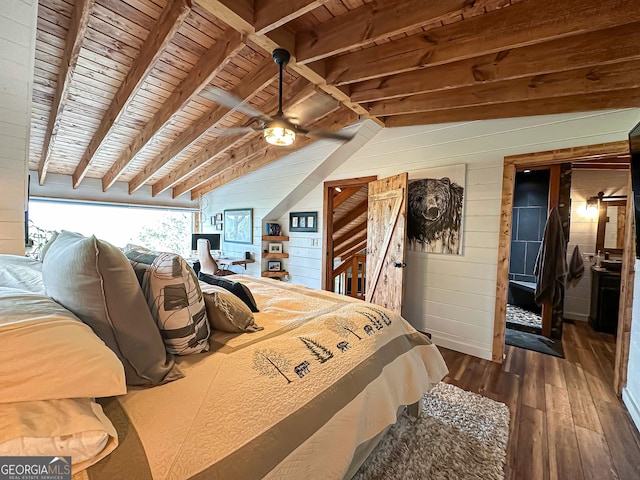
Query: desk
[[228, 261]]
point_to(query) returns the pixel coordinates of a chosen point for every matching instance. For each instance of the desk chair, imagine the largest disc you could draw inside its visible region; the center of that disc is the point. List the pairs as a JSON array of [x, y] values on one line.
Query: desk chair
[[207, 263]]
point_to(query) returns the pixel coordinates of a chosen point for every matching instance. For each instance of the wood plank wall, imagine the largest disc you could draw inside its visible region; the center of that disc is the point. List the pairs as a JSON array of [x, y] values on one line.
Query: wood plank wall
[[17, 46], [449, 296]]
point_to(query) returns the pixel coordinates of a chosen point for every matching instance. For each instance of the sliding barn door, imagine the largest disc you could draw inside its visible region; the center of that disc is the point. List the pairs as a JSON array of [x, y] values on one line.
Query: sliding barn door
[[386, 239]]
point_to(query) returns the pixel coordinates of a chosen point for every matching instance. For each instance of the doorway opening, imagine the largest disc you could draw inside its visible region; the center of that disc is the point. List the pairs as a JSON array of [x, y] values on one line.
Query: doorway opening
[[589, 157], [345, 236]]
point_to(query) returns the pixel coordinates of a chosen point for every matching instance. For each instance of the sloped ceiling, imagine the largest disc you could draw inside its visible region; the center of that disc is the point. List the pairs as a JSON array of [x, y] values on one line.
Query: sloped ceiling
[[118, 87]]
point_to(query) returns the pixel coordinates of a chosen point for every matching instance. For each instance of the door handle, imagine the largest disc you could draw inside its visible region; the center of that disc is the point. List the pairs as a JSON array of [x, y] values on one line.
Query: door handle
[[399, 264]]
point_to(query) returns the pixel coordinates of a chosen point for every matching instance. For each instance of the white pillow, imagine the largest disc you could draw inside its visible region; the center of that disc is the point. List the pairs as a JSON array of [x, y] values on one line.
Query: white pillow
[[55, 428], [48, 353]]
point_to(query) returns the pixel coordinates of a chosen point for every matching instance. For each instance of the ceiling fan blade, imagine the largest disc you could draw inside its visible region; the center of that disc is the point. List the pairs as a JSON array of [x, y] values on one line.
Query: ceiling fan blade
[[222, 97], [227, 132], [325, 134]]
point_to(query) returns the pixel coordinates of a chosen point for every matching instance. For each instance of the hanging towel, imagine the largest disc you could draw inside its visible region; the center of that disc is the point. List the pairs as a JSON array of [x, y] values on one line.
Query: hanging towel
[[576, 265], [551, 264]]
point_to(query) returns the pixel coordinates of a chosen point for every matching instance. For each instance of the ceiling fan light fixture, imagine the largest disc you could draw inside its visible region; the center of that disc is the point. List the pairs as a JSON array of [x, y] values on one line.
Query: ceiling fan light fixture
[[279, 136]]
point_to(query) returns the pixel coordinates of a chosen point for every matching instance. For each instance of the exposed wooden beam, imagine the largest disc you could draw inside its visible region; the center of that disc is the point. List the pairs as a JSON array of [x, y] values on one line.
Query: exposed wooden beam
[[337, 121], [604, 78], [75, 36], [355, 249], [228, 12], [258, 79], [163, 32], [522, 24], [351, 216], [600, 166], [357, 240], [596, 48], [345, 194], [271, 14], [546, 106], [369, 23], [584, 153], [209, 65], [351, 233], [295, 93]]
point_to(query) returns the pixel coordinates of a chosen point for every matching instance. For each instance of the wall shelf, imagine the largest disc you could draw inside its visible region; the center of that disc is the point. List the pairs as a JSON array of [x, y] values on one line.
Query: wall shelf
[[275, 255], [275, 274], [275, 238]]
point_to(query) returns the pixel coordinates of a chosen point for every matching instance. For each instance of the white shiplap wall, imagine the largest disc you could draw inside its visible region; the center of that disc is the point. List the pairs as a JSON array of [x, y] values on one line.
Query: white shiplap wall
[[263, 190], [17, 47], [631, 392], [585, 184], [451, 297]]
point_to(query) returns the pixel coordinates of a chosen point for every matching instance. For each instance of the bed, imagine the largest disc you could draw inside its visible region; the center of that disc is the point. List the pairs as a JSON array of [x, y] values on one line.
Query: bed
[[306, 397]]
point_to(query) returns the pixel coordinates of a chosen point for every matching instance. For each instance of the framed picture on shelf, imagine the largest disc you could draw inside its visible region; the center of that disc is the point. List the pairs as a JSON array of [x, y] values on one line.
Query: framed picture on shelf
[[303, 221], [275, 248], [274, 266], [238, 225]]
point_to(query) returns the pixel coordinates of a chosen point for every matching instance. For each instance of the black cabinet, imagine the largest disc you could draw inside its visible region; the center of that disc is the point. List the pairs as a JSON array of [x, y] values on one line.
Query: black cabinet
[[605, 299]]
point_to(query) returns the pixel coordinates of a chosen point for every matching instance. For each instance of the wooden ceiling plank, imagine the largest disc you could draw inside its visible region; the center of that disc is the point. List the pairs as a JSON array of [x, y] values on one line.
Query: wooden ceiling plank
[[215, 149], [209, 65], [604, 78], [345, 194], [546, 106], [334, 122], [595, 48], [355, 212], [369, 23], [262, 75], [272, 14], [522, 24], [163, 32], [75, 36], [232, 15]]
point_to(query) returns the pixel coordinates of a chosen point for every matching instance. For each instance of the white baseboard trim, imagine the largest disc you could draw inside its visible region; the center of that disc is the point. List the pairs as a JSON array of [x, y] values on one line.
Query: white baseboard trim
[[576, 316], [633, 406], [462, 347]]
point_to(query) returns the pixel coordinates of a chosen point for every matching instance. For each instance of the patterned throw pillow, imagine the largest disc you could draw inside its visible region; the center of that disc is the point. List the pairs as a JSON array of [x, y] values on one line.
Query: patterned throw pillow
[[174, 297]]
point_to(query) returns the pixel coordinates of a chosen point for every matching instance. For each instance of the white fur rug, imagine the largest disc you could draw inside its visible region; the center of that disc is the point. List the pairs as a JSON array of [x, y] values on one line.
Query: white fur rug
[[460, 435]]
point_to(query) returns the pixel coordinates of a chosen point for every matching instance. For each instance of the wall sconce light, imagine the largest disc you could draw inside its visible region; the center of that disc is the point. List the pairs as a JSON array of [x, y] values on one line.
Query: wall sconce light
[[592, 209]]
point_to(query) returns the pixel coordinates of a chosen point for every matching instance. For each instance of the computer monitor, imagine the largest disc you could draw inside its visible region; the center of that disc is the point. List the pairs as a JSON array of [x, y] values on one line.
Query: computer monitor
[[214, 240]]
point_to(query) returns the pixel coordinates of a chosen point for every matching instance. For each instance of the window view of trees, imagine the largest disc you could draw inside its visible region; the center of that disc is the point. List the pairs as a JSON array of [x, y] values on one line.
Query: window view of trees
[[158, 229]]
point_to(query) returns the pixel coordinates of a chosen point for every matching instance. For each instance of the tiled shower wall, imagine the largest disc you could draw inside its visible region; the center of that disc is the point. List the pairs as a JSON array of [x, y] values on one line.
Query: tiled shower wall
[[530, 201]]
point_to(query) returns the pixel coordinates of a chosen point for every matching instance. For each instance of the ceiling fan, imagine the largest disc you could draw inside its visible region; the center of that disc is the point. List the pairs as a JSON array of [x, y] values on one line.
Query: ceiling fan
[[278, 130]]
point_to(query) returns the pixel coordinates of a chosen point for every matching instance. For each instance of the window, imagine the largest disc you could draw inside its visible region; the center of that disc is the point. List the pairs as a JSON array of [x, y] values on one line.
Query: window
[[160, 229]]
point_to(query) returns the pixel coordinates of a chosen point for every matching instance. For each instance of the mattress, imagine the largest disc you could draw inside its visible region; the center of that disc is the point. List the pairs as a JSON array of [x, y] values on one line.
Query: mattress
[[295, 400]]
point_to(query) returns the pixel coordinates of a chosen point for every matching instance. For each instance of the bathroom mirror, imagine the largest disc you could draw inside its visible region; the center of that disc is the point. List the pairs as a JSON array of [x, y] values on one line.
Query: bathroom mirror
[[611, 223]]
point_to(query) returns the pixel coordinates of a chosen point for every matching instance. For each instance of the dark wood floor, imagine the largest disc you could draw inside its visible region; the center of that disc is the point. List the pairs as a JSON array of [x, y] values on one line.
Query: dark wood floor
[[566, 422]]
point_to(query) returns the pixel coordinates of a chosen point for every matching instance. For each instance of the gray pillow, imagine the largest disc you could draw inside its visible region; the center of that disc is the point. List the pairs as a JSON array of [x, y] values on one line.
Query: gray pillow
[[94, 280], [226, 312]]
